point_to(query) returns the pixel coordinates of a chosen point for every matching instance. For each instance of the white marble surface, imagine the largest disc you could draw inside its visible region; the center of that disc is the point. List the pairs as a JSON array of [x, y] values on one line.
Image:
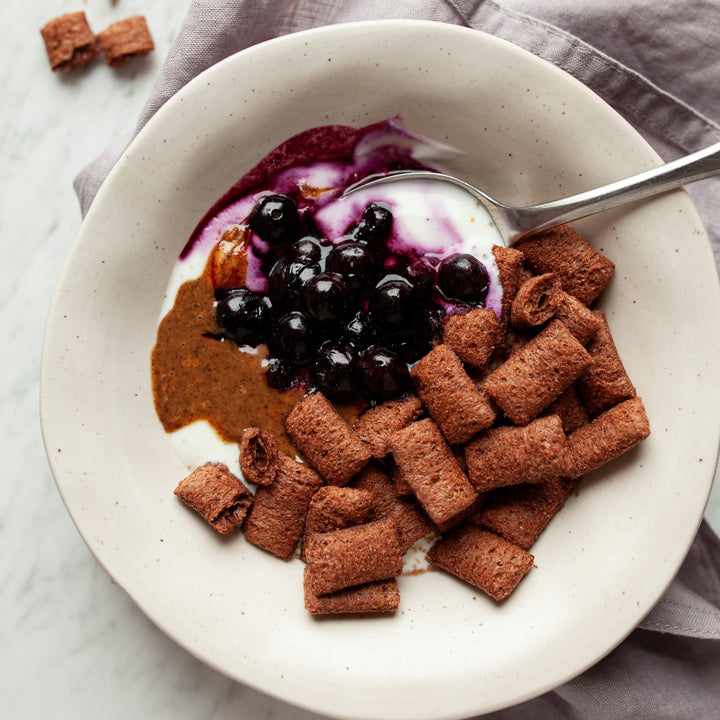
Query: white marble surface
[[73, 643]]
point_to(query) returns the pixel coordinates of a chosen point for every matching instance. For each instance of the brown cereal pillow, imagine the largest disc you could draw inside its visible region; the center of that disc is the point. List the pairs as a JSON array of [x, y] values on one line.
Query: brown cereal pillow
[[124, 40], [69, 41]]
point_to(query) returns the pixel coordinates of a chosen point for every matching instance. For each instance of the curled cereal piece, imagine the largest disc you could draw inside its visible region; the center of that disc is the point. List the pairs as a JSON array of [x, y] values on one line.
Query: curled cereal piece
[[216, 495], [277, 518], [375, 425], [258, 456], [353, 556], [535, 375], [451, 397], [69, 41], [124, 40], [431, 470], [583, 271], [605, 383], [382, 596], [536, 301], [483, 559], [508, 455], [473, 336], [519, 513], [608, 436], [326, 440]]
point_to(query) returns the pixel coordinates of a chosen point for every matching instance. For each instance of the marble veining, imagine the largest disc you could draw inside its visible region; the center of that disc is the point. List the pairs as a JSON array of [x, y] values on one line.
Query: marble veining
[[73, 643]]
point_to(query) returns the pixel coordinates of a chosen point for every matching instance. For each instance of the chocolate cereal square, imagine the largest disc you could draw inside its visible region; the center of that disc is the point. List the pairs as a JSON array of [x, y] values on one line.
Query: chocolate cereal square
[[124, 40], [277, 519], [430, 468], [483, 559], [69, 41], [375, 425], [352, 556], [381, 596], [326, 440], [519, 513], [451, 397]]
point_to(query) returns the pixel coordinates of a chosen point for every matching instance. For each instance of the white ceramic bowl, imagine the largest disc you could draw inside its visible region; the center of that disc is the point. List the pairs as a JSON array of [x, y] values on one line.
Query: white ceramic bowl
[[529, 133]]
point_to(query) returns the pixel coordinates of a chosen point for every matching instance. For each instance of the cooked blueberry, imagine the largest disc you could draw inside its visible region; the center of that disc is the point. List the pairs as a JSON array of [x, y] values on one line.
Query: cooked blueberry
[[336, 370], [354, 262], [360, 331], [294, 337], [376, 223], [241, 314], [463, 278], [422, 276], [276, 220], [327, 298], [384, 373], [279, 374], [287, 281], [391, 305], [307, 250]]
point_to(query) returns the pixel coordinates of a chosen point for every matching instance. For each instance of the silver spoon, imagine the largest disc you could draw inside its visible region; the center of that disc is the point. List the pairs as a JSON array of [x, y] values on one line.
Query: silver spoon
[[514, 223]]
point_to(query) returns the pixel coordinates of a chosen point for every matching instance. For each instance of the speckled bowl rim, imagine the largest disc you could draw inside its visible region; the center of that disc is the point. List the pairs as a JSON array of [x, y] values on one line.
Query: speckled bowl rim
[[449, 652]]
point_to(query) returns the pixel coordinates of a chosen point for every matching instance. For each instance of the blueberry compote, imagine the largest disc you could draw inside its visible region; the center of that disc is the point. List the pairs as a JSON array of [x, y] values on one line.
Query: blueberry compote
[[287, 286], [347, 316]]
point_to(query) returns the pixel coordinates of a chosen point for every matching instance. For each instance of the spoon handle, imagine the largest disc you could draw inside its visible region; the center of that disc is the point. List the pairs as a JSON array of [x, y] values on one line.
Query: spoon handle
[[697, 166]]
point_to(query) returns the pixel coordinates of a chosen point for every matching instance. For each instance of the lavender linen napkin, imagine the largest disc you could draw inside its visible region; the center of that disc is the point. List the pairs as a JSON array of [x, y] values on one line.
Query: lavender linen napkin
[[655, 63]]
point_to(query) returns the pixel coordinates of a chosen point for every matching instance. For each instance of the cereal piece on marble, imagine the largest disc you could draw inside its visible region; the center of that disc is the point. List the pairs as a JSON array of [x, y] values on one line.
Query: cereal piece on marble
[[124, 40], [69, 41]]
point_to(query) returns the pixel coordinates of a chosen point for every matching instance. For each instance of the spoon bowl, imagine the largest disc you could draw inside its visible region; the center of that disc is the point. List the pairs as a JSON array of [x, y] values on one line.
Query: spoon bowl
[[514, 223]]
